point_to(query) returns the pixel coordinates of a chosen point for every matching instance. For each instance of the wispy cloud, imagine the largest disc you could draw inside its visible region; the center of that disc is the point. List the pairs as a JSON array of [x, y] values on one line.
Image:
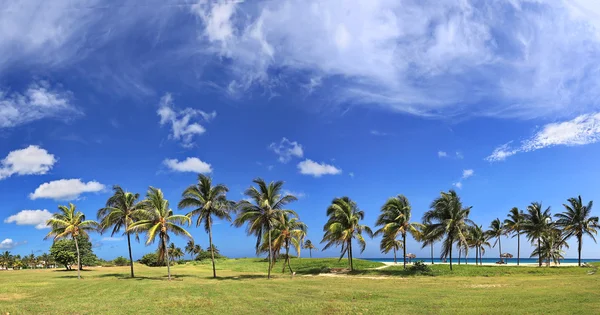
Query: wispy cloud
[[584, 129], [183, 126], [378, 133], [465, 175], [442, 154], [287, 149], [310, 167], [298, 194], [468, 173]]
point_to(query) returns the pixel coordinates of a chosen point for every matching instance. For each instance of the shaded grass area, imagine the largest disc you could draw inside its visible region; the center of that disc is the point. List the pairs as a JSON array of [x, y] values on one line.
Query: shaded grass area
[[242, 287]]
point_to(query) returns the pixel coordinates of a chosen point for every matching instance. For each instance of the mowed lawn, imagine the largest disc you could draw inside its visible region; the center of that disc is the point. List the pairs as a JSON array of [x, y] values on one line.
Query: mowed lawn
[[242, 288]]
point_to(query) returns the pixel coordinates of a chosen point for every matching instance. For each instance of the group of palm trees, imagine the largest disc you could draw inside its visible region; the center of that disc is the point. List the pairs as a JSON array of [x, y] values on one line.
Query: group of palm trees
[[7, 260], [266, 216]]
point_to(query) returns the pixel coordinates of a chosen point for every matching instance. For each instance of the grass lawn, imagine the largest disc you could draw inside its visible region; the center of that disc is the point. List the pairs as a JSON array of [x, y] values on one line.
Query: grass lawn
[[242, 287]]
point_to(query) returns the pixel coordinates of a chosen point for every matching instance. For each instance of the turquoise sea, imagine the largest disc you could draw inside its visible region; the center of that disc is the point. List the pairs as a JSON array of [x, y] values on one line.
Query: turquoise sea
[[484, 260]]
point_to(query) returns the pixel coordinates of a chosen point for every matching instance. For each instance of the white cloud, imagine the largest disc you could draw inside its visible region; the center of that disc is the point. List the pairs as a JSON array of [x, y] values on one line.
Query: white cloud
[[65, 189], [30, 217], [297, 194], [183, 126], [584, 129], [287, 149], [468, 173], [442, 154], [190, 164], [310, 167], [112, 239], [378, 133], [10, 244], [351, 174], [32, 160], [39, 101], [458, 185], [459, 155]]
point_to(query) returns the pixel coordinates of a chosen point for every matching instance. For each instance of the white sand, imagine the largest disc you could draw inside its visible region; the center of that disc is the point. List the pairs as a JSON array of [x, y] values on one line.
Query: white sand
[[487, 264]]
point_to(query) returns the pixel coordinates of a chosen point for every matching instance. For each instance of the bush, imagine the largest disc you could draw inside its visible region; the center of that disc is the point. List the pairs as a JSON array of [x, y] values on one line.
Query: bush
[[419, 266], [205, 254], [121, 261], [151, 260]]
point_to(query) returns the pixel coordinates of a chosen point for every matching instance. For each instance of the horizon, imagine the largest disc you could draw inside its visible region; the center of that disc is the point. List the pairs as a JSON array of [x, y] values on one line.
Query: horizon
[[498, 101]]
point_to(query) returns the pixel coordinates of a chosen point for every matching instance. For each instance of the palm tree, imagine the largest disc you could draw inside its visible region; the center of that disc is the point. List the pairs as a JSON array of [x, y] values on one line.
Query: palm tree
[[537, 222], [577, 221], [426, 237], [208, 201], [263, 213], [344, 225], [395, 221], [389, 243], [479, 240], [121, 210], [290, 231], [550, 250], [448, 220], [5, 259], [70, 223], [175, 252], [514, 224], [309, 245], [189, 248], [158, 220], [497, 230]]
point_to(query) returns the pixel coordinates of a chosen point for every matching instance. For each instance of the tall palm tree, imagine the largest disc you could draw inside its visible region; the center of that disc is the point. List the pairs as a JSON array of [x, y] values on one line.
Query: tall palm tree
[[265, 210], [189, 248], [479, 240], [514, 224], [70, 223], [207, 201], [395, 221], [344, 225], [290, 231], [449, 220], [157, 221], [121, 210], [310, 246], [577, 221], [537, 222], [497, 230]]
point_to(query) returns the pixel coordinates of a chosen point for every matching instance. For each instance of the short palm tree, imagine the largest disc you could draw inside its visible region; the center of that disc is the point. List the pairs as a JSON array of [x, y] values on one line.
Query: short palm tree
[[497, 230], [208, 202], [449, 220], [266, 208], [290, 231], [390, 243], [5, 259], [343, 226], [310, 246], [479, 240], [514, 224], [577, 221], [175, 252], [121, 210], [190, 248], [157, 221], [427, 238], [70, 223], [537, 223], [550, 250], [395, 221]]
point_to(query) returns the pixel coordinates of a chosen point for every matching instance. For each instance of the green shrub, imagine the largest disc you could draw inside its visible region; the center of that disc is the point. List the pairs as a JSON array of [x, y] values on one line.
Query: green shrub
[[121, 261], [419, 266], [151, 260]]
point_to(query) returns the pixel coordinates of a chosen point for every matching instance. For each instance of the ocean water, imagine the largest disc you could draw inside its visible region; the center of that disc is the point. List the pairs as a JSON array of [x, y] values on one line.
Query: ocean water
[[510, 261]]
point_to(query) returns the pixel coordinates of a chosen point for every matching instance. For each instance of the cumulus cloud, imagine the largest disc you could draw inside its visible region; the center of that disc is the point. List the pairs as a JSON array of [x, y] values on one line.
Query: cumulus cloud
[[8, 243], [583, 129], [65, 189], [32, 160], [468, 173], [39, 101], [37, 218], [190, 164], [310, 167], [184, 123], [287, 149]]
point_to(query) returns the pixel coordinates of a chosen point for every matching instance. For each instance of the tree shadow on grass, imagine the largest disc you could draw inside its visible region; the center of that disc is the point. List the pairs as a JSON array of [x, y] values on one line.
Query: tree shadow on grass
[[238, 277], [125, 276]]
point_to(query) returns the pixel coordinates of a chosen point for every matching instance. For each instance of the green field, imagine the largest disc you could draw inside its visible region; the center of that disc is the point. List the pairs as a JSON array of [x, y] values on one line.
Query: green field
[[243, 288]]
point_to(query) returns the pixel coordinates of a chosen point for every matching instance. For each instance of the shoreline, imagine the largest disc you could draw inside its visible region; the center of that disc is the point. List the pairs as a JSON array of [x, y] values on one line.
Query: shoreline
[[388, 263]]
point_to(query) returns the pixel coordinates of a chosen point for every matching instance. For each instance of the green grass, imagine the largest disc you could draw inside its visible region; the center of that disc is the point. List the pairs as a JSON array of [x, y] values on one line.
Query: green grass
[[243, 288]]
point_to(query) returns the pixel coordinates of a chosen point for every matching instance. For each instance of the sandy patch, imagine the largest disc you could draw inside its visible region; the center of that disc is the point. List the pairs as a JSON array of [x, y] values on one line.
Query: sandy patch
[[12, 296]]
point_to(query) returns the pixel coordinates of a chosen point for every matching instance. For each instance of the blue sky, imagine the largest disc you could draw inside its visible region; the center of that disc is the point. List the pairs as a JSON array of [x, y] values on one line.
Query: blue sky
[[499, 101]]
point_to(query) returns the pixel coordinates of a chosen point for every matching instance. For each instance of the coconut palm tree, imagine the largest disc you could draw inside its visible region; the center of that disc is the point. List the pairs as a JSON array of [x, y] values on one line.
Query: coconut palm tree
[[550, 250], [478, 239], [208, 202], [157, 221], [121, 210], [497, 230], [395, 221], [537, 222], [310, 246], [426, 237], [514, 224], [290, 231], [266, 208], [449, 220], [344, 225], [577, 221], [190, 248], [390, 243], [70, 223], [175, 252], [5, 259]]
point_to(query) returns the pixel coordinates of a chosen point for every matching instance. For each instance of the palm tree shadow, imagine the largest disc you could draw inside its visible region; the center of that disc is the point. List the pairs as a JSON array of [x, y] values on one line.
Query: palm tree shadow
[[239, 277], [124, 276]]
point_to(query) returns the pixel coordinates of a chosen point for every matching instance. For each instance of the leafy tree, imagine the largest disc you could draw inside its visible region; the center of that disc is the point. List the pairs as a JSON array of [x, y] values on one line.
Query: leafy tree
[[537, 223], [577, 221], [449, 220], [264, 212], [395, 222], [70, 223], [514, 224], [310, 246], [65, 252], [121, 210], [157, 221], [151, 260], [497, 230], [121, 261], [343, 226], [208, 201]]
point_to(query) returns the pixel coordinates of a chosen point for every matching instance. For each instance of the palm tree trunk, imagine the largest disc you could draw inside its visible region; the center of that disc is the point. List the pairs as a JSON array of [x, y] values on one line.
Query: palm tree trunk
[[310, 252], [579, 250], [476, 255], [500, 248], [518, 247], [404, 247], [395, 256], [270, 255], [432, 253], [539, 252], [350, 255], [78, 259], [168, 261], [287, 254], [451, 254], [212, 250], [459, 253], [130, 255]]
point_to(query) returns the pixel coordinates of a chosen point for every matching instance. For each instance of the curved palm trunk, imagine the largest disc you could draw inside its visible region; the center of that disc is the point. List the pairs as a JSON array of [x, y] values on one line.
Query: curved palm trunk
[[476, 255], [459, 253], [539, 252], [78, 259], [579, 239], [270, 255], [432, 253], [500, 248], [350, 255], [212, 250], [168, 261], [404, 247], [451, 245], [130, 255], [395, 256], [518, 247]]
